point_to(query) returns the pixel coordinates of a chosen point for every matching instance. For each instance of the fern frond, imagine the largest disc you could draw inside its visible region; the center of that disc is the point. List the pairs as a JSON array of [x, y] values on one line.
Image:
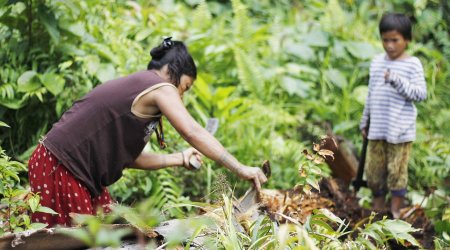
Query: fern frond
[[248, 72], [166, 192], [7, 91], [242, 22], [202, 16]]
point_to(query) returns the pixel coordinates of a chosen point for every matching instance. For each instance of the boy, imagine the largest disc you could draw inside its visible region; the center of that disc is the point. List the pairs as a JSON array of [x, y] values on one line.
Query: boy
[[389, 117]]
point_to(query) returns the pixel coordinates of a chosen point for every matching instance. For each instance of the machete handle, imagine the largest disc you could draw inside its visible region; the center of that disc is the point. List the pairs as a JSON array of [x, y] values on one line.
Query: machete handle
[[194, 163]]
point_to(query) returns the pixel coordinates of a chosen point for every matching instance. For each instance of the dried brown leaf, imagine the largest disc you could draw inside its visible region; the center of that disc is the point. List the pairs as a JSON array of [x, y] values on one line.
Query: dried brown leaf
[[318, 160], [326, 152]]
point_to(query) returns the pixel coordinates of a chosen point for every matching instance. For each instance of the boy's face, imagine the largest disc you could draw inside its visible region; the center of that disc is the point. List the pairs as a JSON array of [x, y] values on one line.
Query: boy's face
[[394, 44]]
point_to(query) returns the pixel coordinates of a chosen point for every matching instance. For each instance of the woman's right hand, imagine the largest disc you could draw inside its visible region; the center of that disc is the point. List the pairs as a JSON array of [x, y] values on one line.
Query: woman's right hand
[[254, 174], [187, 154]]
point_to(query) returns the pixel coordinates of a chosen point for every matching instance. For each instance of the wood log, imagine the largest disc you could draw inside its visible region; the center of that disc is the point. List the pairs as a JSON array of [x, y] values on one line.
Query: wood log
[[345, 165]]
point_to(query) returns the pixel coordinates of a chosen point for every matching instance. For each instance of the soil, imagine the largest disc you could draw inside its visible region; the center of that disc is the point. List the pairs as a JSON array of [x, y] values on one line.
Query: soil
[[335, 196]]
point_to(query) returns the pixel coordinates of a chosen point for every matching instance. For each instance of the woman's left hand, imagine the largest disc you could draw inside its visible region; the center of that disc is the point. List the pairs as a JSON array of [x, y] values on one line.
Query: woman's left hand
[[187, 154]]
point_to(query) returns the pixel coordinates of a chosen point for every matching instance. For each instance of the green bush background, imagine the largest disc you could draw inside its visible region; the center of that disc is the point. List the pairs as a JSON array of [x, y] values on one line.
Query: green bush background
[[277, 74]]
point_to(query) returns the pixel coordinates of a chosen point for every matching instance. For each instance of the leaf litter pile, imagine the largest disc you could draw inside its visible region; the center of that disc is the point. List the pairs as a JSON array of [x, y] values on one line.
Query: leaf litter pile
[[333, 194], [297, 204]]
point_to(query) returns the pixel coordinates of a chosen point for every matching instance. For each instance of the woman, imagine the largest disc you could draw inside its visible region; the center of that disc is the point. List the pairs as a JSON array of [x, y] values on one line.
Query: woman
[[106, 131]]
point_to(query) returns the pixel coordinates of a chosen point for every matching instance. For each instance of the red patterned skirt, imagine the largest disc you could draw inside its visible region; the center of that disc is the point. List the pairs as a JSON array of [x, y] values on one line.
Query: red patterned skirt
[[60, 190]]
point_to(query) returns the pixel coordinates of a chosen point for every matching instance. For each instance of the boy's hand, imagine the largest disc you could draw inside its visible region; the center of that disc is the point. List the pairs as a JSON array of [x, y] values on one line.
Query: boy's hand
[[364, 133], [386, 75]]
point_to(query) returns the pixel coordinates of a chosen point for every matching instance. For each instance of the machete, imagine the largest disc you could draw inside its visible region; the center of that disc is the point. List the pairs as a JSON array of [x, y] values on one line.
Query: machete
[[359, 182], [252, 197], [212, 124]]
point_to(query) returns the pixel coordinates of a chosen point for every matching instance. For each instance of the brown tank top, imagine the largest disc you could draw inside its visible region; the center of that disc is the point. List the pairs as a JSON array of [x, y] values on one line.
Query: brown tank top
[[99, 135]]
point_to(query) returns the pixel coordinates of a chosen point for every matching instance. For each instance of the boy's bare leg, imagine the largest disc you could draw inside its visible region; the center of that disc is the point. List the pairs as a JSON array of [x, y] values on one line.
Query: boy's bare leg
[[396, 205], [379, 203]]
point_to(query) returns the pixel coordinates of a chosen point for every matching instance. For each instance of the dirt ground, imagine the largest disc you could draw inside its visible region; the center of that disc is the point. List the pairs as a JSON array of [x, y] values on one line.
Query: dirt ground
[[338, 198]]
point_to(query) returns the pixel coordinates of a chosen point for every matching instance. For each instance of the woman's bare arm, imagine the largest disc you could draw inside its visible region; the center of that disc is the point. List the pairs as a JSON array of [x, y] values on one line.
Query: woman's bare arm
[[170, 104], [149, 161]]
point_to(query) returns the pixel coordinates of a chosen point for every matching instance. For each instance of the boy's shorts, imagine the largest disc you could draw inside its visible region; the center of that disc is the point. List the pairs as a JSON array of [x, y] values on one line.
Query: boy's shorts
[[387, 167]]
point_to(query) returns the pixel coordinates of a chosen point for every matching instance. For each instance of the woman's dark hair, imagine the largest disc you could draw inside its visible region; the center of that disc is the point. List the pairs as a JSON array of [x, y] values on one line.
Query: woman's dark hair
[[177, 58], [397, 22]]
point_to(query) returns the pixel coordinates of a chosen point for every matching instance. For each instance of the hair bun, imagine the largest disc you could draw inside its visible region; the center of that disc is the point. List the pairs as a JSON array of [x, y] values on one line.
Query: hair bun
[[157, 53]]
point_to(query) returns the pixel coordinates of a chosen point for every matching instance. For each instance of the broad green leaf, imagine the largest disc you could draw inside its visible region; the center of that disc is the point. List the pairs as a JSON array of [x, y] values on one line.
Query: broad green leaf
[[38, 226], [65, 65], [335, 16], [339, 49], [33, 202], [316, 38], [70, 49], [92, 63], [360, 93], [300, 50], [302, 70], [223, 93], [47, 17], [46, 210], [79, 233], [374, 235], [111, 238], [399, 226], [2, 124], [77, 29], [313, 182], [53, 82], [105, 52], [17, 192], [105, 72], [367, 243], [28, 82], [331, 216], [360, 50], [295, 86], [344, 126], [322, 224], [336, 77], [26, 219], [143, 34]]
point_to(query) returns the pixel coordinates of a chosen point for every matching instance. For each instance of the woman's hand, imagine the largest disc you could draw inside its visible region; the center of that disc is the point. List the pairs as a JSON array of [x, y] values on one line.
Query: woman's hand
[[254, 174], [187, 154]]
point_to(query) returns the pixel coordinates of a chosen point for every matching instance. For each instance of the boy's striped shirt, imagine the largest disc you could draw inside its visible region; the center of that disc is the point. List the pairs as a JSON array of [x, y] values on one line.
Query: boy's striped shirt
[[389, 104]]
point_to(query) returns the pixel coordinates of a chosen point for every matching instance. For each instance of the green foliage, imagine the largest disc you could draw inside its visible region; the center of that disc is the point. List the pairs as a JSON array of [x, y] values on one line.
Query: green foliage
[[276, 73], [95, 231], [163, 187], [322, 230], [16, 202], [144, 215]]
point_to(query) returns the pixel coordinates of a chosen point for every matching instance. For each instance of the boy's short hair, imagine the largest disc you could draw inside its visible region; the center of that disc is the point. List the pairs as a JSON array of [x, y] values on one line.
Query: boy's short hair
[[398, 22]]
